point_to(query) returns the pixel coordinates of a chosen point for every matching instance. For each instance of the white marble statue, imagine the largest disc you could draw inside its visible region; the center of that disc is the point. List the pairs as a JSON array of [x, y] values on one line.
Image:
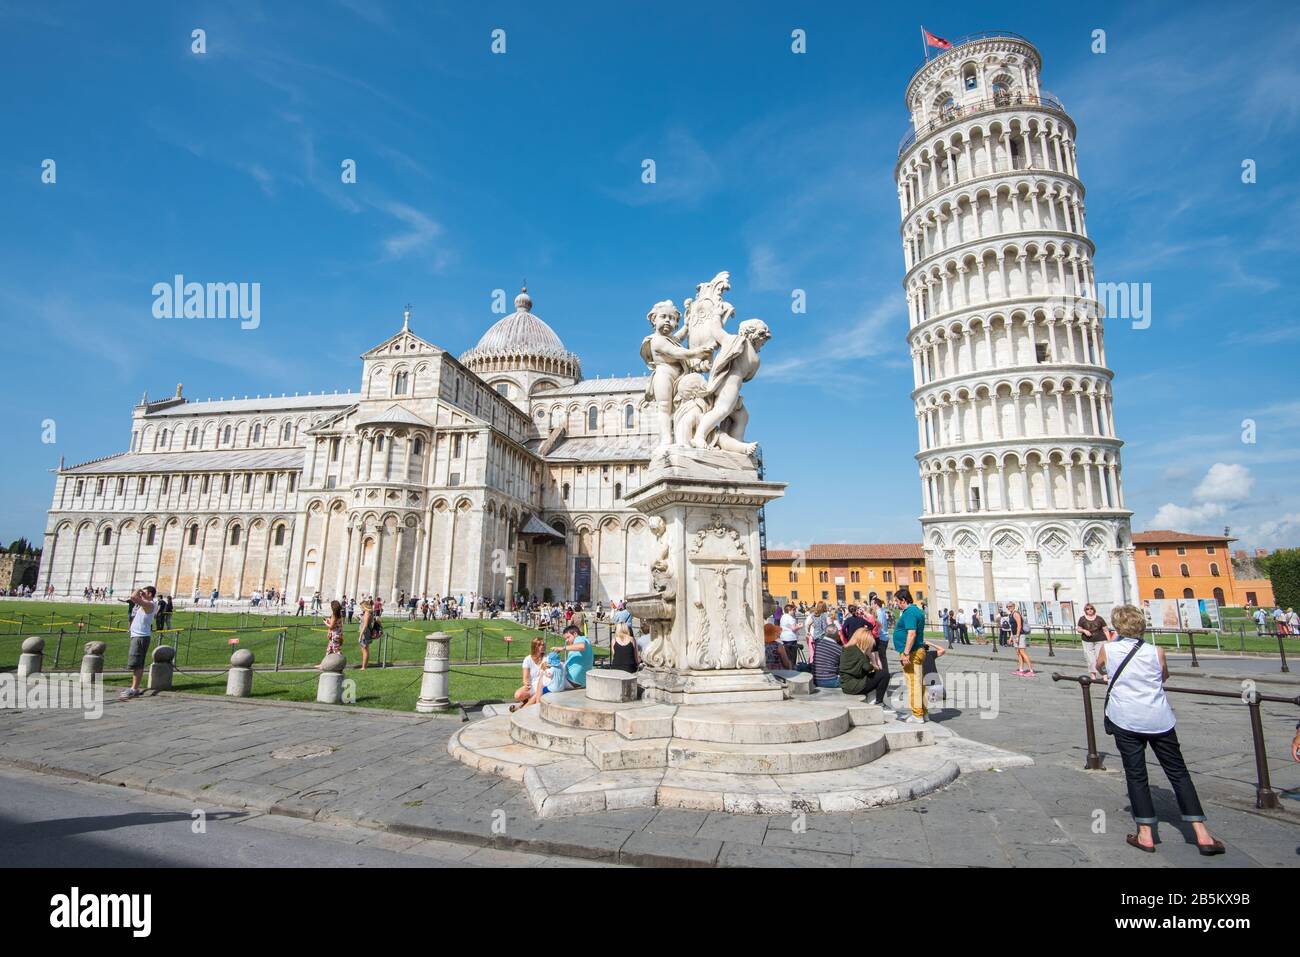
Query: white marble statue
[[695, 411]]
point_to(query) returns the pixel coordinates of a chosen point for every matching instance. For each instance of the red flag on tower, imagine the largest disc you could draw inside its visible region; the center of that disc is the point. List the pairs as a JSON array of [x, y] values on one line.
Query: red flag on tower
[[932, 40]]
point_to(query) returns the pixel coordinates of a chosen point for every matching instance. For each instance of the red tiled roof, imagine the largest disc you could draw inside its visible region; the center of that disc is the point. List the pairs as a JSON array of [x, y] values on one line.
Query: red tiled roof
[[872, 552], [1159, 536]]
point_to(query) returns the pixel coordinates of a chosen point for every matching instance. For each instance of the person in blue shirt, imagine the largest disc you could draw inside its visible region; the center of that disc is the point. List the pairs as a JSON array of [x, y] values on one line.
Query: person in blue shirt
[[909, 642], [580, 658]]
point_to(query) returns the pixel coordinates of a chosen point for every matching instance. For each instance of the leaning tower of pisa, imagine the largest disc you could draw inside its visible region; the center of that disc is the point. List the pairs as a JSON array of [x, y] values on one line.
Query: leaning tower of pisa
[[1022, 498]]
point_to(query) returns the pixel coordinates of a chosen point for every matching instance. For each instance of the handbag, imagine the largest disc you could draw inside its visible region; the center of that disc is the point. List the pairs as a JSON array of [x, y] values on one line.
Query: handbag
[[1105, 718]]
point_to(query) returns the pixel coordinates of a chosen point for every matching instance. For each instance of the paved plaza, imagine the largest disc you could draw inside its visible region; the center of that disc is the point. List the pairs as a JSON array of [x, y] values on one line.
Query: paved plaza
[[390, 772]]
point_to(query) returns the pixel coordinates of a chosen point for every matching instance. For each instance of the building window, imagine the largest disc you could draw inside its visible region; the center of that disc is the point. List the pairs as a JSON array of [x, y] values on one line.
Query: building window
[[225, 435], [99, 486], [165, 483], [1182, 550], [121, 485], [823, 577], [148, 535], [293, 480], [1209, 549], [503, 389], [629, 415], [1160, 593], [1152, 551], [455, 446], [453, 479], [286, 432], [379, 443], [139, 486], [888, 576], [257, 433], [279, 534], [207, 483], [1155, 571], [794, 575], [194, 535], [234, 534], [825, 595], [185, 484], [419, 446], [81, 487], [1182, 570], [399, 384], [855, 576], [1188, 593], [334, 450], [593, 419], [916, 576], [1214, 569], [108, 536], [564, 491], [794, 593], [270, 482], [1218, 595], [248, 482], [225, 484], [618, 489]]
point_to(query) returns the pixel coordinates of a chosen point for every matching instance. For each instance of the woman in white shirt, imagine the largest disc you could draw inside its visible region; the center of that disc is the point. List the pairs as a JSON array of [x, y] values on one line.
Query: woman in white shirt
[[789, 634], [1137, 714], [534, 676]]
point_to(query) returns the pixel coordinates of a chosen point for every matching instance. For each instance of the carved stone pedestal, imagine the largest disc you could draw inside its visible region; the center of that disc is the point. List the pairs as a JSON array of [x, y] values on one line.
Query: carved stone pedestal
[[707, 645]]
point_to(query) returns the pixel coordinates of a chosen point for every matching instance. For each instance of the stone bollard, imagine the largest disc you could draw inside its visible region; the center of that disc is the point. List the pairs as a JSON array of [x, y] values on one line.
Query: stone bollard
[[29, 662], [161, 671], [434, 694], [329, 689], [92, 663], [239, 680]]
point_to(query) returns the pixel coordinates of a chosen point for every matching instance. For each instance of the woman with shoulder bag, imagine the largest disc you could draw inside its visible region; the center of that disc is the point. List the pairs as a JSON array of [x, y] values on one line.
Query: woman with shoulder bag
[[1138, 714]]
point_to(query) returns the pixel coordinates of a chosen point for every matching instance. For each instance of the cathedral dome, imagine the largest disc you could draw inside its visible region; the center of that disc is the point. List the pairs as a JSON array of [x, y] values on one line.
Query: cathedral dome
[[521, 340]]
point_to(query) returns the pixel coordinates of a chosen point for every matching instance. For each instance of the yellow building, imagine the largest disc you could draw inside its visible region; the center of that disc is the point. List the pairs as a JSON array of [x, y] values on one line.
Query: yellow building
[[1182, 565], [845, 573]]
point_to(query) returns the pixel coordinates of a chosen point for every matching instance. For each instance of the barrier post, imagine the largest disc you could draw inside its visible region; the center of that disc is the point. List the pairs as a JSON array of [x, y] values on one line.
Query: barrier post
[[1265, 796], [1191, 643], [1093, 762], [1051, 652], [1281, 650]]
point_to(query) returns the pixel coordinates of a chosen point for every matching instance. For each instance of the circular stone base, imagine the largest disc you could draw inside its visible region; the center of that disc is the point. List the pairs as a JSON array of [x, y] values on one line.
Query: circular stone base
[[828, 752]]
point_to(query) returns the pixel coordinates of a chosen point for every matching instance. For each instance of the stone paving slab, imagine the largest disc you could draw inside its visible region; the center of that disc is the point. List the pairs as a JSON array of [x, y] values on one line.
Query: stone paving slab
[[393, 775]]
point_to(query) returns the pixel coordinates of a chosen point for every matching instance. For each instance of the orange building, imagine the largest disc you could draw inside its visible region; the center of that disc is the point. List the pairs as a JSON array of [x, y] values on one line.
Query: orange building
[[845, 573], [1184, 565]]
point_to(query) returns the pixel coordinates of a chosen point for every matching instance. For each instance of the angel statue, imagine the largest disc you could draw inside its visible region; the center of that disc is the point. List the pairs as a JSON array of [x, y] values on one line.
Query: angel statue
[[690, 406], [707, 316], [735, 364], [667, 361]]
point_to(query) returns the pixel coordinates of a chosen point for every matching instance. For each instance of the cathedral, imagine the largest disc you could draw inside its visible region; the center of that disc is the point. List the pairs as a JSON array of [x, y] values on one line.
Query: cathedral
[[501, 473]]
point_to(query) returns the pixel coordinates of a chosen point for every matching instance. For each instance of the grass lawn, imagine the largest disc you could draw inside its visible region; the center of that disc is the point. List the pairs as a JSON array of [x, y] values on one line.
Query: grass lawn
[[393, 688], [207, 639]]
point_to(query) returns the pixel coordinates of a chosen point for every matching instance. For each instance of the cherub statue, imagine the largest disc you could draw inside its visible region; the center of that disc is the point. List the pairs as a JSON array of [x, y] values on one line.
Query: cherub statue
[[667, 361], [659, 653], [735, 364], [707, 316], [692, 404]]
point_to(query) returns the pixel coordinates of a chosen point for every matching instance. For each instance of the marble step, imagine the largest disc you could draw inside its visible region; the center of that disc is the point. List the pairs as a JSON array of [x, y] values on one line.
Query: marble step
[[856, 747], [777, 722], [574, 710], [528, 726]]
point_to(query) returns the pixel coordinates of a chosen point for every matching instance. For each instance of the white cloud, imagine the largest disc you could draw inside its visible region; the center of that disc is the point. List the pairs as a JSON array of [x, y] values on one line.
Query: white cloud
[[1181, 518], [420, 233], [1225, 483]]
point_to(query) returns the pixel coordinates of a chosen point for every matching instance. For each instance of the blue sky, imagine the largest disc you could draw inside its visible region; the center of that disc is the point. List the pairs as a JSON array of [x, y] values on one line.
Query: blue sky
[[475, 170]]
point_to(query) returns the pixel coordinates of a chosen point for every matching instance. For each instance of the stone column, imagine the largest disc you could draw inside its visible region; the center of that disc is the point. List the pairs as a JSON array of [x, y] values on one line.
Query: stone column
[[986, 556], [951, 556], [33, 654], [329, 689], [1134, 596], [92, 663], [434, 685], [1080, 578], [1116, 576], [161, 670], [239, 680], [1035, 581]]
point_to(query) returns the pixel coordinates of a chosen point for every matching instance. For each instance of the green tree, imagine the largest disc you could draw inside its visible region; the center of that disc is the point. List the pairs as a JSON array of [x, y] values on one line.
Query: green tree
[[1283, 570]]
